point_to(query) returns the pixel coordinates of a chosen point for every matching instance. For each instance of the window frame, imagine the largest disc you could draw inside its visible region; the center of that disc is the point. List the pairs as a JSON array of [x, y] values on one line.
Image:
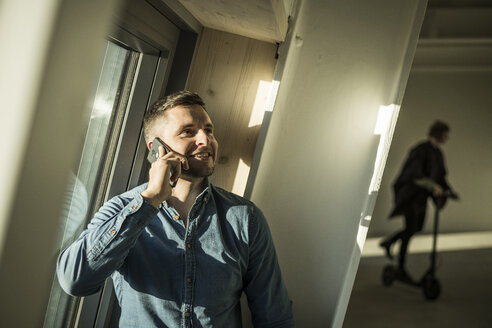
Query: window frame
[[95, 310], [152, 75]]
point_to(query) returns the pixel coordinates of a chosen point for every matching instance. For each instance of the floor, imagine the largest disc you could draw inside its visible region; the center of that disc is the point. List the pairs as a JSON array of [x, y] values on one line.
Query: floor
[[465, 300]]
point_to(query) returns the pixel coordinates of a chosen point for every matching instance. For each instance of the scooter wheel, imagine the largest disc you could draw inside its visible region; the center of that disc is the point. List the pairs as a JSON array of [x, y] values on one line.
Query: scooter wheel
[[389, 275], [431, 288]]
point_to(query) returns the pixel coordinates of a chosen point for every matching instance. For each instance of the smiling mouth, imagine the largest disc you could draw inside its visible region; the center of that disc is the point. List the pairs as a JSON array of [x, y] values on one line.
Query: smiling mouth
[[202, 156]]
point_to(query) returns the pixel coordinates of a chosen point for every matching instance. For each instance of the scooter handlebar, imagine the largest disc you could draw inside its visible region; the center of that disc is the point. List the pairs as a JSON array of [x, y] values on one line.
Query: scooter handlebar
[[450, 194]]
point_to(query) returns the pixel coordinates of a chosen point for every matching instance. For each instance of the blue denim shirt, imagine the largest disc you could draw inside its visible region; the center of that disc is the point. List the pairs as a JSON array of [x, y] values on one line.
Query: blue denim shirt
[[169, 275]]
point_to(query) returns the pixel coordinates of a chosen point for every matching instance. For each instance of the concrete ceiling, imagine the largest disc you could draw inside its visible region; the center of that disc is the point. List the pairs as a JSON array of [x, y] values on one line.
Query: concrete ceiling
[[456, 33]]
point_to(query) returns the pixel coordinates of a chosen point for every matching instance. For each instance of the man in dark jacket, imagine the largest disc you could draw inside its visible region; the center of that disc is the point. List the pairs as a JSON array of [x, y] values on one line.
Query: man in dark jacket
[[423, 175]]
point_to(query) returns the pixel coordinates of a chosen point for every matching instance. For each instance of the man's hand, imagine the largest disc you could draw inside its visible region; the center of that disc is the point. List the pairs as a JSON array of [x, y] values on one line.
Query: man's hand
[[453, 195], [437, 191], [159, 188]]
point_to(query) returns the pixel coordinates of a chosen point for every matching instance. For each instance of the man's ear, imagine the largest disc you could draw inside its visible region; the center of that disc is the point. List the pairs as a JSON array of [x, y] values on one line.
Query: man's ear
[[149, 144]]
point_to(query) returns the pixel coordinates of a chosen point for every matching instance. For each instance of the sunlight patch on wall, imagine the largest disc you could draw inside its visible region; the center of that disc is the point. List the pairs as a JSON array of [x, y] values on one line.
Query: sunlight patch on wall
[[362, 233], [385, 126], [241, 178], [264, 101]]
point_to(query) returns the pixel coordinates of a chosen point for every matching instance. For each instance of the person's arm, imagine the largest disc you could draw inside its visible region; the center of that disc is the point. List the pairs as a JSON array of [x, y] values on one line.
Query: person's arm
[[102, 248], [265, 290], [443, 181], [414, 171], [426, 183]]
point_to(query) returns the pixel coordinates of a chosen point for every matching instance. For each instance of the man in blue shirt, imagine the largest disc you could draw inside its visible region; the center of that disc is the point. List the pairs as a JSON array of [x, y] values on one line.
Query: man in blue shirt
[[180, 256]]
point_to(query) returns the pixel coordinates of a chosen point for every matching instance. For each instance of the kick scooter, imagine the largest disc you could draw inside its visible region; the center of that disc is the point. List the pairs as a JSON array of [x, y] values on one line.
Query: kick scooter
[[431, 287]]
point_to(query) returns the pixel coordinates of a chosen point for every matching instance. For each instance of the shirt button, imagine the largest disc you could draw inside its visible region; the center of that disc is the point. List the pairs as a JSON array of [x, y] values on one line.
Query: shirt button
[[135, 207], [205, 199], [113, 231], [188, 245], [187, 314], [189, 280], [176, 217]]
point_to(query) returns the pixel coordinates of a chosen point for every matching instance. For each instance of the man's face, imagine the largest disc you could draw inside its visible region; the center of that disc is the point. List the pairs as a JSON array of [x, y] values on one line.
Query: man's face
[[190, 132], [444, 137]]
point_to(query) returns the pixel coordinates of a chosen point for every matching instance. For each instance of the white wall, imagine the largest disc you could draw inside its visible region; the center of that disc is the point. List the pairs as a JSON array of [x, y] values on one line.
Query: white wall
[[49, 61], [463, 98], [346, 59]]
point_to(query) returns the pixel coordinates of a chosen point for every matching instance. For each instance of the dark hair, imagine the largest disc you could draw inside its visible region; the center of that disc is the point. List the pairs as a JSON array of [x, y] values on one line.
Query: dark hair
[[437, 129], [158, 109]]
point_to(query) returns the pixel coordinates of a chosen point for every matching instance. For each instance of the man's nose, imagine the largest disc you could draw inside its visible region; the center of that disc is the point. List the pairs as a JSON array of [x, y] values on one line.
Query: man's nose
[[202, 138]]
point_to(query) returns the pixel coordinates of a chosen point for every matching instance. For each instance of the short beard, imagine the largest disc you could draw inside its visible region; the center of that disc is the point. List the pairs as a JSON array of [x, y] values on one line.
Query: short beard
[[191, 173]]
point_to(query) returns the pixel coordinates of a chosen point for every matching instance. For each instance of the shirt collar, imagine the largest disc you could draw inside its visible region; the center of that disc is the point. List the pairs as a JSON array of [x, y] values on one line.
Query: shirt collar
[[204, 196]]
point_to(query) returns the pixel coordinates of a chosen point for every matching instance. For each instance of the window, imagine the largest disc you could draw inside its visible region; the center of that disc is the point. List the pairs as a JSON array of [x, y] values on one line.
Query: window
[[134, 70], [87, 185]]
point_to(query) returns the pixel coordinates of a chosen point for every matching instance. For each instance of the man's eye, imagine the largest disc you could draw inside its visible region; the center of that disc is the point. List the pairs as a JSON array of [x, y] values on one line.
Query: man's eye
[[187, 132], [209, 131]]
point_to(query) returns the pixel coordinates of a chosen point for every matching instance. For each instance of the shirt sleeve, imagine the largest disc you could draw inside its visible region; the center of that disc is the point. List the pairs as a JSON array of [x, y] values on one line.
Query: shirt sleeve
[[102, 248], [265, 290]]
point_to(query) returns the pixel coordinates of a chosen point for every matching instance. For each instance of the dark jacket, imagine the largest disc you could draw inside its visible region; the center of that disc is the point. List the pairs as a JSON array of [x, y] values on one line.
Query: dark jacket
[[424, 161]]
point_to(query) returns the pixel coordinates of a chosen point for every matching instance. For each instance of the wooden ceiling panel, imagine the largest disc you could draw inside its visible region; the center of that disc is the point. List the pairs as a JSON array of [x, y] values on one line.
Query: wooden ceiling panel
[[264, 20]]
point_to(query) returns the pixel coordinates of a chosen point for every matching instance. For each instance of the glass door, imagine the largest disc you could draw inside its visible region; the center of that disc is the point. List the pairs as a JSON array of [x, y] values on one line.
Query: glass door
[[134, 70], [88, 182], [112, 155]]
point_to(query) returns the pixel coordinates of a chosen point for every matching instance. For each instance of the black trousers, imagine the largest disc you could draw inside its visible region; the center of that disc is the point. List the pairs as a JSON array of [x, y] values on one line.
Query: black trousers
[[414, 222]]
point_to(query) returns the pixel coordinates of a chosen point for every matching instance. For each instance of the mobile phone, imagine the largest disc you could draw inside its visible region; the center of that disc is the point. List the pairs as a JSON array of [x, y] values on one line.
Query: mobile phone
[[154, 154]]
